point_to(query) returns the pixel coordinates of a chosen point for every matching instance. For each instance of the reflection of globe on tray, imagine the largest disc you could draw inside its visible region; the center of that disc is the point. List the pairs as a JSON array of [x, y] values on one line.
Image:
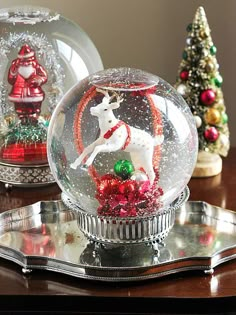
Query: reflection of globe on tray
[[122, 146], [42, 54]]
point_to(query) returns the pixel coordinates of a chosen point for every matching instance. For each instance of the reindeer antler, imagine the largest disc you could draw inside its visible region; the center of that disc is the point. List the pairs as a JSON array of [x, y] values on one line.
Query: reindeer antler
[[104, 92], [120, 98], [110, 98]]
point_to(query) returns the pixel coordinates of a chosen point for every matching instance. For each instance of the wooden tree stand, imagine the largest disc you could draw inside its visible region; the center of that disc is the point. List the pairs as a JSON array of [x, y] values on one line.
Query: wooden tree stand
[[208, 164]]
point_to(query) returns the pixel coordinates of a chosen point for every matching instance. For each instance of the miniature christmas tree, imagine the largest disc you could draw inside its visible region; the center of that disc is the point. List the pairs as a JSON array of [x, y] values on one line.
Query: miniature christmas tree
[[199, 82]]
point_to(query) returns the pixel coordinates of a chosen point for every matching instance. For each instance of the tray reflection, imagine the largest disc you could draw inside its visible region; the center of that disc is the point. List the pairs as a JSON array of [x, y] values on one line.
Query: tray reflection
[[46, 236]]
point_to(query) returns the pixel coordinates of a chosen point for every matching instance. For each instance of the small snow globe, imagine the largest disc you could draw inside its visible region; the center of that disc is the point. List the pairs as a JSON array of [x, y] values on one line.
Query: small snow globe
[[42, 54], [122, 145]]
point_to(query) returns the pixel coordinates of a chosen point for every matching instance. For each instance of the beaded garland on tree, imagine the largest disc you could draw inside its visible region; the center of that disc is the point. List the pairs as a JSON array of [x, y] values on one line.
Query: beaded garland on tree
[[199, 82]]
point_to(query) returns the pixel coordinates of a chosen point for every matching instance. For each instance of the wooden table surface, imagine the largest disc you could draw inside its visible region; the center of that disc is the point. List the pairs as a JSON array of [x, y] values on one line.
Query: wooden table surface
[[185, 293]]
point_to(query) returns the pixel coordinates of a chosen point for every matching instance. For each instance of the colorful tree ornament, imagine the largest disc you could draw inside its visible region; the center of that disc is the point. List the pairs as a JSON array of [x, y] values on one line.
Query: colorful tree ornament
[[184, 75], [213, 116], [203, 83], [207, 97], [198, 121], [211, 134], [224, 118]]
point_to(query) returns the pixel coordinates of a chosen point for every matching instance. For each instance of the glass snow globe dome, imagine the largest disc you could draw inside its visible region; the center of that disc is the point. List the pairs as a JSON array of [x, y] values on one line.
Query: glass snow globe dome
[[122, 145], [42, 54]]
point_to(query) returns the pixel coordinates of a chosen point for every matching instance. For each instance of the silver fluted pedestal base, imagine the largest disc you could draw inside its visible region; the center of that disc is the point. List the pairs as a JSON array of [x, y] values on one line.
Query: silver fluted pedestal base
[[131, 230], [150, 230]]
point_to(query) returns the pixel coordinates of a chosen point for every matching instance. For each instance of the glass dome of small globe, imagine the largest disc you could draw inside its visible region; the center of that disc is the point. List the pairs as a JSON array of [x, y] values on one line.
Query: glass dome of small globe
[[122, 144]]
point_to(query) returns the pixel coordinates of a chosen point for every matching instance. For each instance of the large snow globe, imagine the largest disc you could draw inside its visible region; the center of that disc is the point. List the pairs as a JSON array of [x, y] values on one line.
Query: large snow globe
[[42, 54], [122, 145]]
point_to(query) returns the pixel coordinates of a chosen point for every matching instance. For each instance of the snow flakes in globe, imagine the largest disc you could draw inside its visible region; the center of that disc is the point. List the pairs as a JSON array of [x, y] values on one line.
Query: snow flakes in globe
[[122, 143]]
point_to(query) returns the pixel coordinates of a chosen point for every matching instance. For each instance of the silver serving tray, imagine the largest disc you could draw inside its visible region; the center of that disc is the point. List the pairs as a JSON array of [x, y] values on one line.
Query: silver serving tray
[[46, 236]]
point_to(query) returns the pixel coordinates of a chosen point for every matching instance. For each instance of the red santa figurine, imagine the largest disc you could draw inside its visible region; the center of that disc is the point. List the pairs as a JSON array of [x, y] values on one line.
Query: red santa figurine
[[27, 76]]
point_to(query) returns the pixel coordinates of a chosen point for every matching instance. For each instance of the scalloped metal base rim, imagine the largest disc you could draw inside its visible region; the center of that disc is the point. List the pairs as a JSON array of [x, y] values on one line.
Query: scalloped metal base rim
[[26, 176]]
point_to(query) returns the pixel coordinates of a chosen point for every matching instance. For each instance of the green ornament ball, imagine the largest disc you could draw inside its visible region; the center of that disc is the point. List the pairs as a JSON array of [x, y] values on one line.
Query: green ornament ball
[[46, 123], [124, 169], [224, 118], [189, 27], [218, 81], [185, 55], [213, 50]]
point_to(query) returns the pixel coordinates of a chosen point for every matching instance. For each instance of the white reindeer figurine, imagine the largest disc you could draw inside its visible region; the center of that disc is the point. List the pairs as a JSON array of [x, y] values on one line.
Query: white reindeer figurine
[[117, 135]]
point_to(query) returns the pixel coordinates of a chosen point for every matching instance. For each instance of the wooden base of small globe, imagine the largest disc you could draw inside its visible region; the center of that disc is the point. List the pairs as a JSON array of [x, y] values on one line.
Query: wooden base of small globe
[[208, 164]]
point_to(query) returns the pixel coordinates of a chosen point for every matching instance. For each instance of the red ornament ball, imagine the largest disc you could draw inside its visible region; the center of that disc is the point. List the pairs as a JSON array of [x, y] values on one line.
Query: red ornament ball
[[207, 97], [211, 134], [206, 238], [184, 75]]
